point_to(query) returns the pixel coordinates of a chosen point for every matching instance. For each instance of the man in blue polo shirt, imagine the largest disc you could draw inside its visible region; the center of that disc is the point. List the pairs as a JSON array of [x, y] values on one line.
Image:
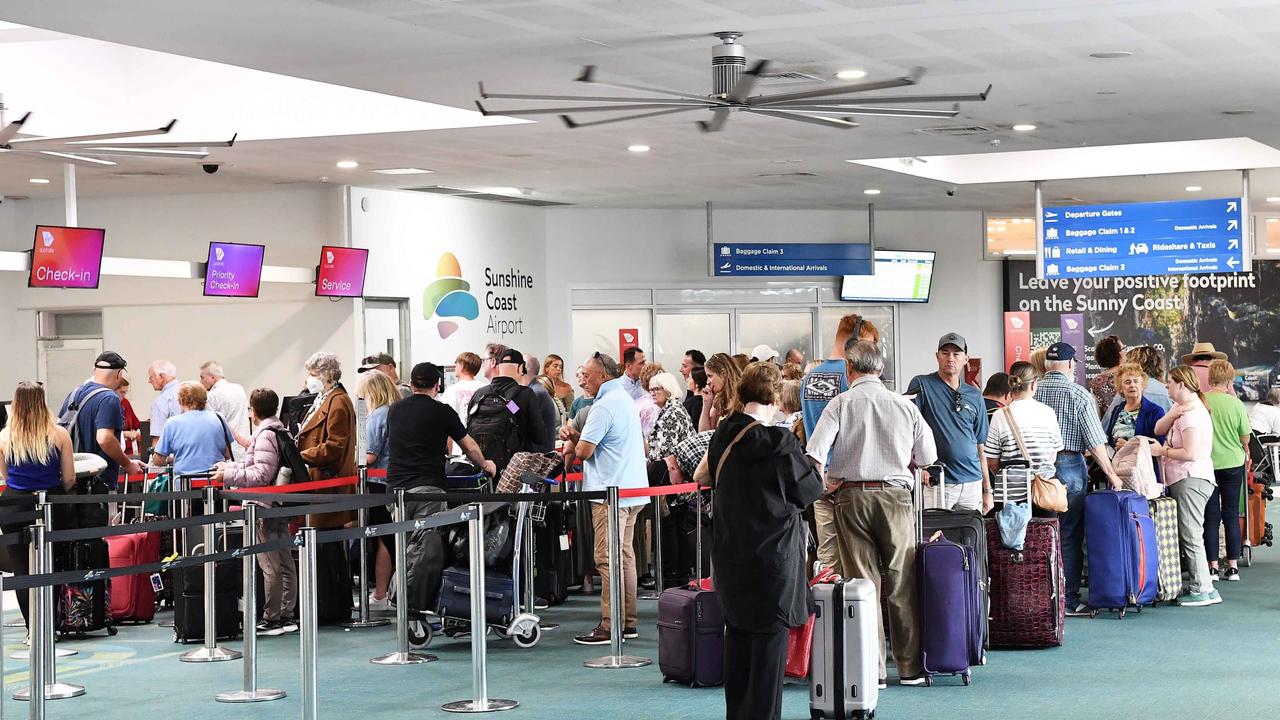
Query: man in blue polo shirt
[[100, 420], [611, 447], [957, 415]]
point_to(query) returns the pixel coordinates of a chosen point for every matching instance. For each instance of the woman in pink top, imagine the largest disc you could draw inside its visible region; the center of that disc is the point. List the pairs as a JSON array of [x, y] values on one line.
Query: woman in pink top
[[1187, 464]]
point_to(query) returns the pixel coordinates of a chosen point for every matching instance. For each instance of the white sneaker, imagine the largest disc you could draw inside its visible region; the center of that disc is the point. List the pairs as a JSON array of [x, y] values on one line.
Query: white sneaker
[[382, 605]]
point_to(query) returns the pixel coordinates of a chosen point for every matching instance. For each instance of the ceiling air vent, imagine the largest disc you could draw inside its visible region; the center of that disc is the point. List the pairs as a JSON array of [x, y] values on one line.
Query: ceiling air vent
[[957, 130], [787, 77], [787, 175], [478, 195], [140, 173]]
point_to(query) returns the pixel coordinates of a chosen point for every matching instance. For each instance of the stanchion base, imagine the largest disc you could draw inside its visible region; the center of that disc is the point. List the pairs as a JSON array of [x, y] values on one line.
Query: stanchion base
[[399, 658], [471, 706], [617, 662], [647, 595], [52, 691], [249, 696], [57, 652], [16, 623], [213, 654], [165, 624], [371, 622]]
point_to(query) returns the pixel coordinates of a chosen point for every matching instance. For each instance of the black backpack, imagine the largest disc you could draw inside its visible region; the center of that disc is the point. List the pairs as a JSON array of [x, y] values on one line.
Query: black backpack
[[493, 426], [290, 455]]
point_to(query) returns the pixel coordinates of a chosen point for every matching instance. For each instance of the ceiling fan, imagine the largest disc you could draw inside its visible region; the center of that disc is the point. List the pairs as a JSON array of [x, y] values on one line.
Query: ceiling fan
[[95, 149], [732, 87]]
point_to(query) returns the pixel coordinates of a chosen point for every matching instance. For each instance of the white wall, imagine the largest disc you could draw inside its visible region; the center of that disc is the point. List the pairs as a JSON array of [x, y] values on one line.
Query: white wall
[[260, 342], [408, 232], [600, 246]]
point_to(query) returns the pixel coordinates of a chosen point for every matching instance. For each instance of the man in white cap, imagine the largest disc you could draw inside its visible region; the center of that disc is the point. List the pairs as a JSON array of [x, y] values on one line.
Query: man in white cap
[[763, 353]]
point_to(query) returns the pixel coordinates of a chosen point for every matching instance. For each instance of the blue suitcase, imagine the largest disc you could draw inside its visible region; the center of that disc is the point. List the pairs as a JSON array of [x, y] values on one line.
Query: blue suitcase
[[1124, 560]]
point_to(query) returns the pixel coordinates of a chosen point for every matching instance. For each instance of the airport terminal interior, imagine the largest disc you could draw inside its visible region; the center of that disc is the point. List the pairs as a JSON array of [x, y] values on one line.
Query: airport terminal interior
[[327, 211]]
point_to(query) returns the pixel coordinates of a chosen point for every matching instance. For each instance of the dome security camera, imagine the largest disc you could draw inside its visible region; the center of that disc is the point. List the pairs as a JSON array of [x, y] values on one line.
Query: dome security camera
[[951, 192], [210, 168]]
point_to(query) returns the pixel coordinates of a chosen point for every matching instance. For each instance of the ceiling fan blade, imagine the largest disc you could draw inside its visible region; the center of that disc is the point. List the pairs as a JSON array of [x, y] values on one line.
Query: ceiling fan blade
[[146, 153], [167, 145], [718, 118], [574, 125], [588, 75], [41, 141], [812, 119], [75, 158], [9, 131], [747, 82], [910, 78], [484, 95], [887, 99], [871, 111], [586, 108]]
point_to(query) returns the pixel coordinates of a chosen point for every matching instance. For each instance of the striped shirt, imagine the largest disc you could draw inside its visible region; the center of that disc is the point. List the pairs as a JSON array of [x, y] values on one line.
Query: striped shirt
[[1038, 425], [1076, 410]]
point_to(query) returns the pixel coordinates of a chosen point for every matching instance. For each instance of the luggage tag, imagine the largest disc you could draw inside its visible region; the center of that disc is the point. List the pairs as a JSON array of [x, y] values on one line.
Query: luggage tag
[[157, 583], [564, 542], [512, 407]]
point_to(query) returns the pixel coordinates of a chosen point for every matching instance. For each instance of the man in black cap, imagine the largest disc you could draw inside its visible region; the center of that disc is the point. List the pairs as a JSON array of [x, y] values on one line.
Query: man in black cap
[[503, 415], [93, 415], [1082, 433], [954, 410], [385, 364], [418, 429]]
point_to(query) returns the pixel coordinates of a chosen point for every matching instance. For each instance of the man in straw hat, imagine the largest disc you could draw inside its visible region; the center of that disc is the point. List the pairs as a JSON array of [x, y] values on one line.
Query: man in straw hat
[[1203, 353]]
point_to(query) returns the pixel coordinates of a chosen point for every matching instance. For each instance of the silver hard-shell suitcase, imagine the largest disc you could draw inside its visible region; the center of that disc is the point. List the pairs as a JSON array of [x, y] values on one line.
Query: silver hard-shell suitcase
[[844, 662]]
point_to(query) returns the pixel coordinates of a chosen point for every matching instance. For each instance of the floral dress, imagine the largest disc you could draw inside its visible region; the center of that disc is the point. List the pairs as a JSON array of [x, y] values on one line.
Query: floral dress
[[672, 427]]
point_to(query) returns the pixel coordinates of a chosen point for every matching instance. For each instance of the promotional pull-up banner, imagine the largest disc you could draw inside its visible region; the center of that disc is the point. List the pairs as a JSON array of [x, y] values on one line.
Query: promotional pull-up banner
[[1238, 312], [1017, 337], [1072, 329]]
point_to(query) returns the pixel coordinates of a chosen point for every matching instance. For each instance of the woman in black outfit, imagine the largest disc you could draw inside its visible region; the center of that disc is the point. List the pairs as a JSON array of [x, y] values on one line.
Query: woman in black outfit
[[762, 481]]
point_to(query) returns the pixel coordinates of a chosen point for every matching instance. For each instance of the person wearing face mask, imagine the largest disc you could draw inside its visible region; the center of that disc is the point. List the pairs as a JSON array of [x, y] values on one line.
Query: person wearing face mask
[[327, 435], [762, 483]]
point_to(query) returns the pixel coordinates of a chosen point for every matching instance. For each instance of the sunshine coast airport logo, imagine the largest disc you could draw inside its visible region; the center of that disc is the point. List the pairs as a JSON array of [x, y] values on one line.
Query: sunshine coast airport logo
[[448, 297]]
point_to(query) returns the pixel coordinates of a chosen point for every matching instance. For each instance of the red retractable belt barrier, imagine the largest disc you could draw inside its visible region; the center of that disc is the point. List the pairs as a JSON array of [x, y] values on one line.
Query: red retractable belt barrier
[[660, 490]]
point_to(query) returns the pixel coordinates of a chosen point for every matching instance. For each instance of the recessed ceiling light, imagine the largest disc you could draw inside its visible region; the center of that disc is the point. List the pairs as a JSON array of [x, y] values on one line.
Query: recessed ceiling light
[[638, 148], [871, 191], [348, 164], [39, 181], [1111, 54], [1273, 199], [1024, 127], [1194, 188], [402, 171], [851, 74]]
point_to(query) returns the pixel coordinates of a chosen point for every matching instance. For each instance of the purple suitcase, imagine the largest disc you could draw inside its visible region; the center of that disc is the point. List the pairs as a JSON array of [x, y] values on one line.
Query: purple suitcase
[[691, 637], [950, 595]]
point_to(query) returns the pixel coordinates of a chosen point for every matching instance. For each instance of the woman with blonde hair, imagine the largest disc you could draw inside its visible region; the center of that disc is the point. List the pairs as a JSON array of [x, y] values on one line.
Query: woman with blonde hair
[[35, 456], [378, 392], [720, 395], [1037, 360], [1187, 468]]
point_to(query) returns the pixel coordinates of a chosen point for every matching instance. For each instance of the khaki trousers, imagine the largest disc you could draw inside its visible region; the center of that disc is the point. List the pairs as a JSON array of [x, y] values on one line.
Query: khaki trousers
[[626, 530]]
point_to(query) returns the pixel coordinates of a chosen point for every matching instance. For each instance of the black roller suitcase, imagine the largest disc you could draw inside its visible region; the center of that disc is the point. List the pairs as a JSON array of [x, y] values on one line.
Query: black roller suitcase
[[552, 557], [188, 606]]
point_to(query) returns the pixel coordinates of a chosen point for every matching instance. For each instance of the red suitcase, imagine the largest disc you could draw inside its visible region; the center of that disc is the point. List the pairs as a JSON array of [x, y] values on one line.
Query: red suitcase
[[1028, 588], [133, 598]]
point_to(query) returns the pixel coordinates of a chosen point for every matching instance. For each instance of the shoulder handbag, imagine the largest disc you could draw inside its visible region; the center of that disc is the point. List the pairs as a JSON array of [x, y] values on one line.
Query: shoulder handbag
[[715, 478], [1046, 493]]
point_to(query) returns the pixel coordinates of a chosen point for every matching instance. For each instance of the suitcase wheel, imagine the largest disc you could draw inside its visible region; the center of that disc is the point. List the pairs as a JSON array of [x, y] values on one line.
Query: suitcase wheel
[[420, 634], [1137, 609], [967, 679], [1122, 612], [1093, 614], [528, 638], [112, 630], [928, 681]]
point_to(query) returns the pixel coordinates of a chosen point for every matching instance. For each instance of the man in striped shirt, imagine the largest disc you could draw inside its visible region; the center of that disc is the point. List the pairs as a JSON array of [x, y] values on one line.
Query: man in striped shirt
[[1081, 432]]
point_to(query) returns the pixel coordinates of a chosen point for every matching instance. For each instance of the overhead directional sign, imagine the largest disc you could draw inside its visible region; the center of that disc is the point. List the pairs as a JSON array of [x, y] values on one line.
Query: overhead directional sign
[[1158, 238], [793, 259]]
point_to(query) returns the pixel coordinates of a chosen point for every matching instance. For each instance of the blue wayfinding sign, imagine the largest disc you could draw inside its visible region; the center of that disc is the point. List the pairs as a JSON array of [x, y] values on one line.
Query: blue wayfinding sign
[[794, 259], [1157, 238]]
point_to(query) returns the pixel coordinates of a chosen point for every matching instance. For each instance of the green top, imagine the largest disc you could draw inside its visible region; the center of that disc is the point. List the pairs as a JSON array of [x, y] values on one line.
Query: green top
[[1230, 423]]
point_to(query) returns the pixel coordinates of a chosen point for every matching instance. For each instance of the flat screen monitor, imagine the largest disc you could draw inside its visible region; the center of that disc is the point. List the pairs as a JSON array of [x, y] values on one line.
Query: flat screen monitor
[[341, 272], [66, 257], [900, 276], [233, 270]]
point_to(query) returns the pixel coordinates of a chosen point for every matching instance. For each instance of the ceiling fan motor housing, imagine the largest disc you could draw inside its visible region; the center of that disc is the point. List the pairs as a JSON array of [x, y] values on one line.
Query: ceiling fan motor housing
[[727, 62]]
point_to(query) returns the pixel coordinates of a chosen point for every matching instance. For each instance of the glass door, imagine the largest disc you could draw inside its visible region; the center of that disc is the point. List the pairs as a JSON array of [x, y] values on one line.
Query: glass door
[[779, 329]]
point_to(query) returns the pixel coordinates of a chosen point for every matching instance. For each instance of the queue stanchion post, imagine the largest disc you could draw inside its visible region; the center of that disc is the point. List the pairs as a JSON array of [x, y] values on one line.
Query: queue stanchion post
[[697, 537], [362, 603], [250, 692], [40, 623], [480, 701], [46, 509], [660, 580], [615, 660], [650, 594], [307, 616], [402, 655], [42, 653], [211, 651]]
